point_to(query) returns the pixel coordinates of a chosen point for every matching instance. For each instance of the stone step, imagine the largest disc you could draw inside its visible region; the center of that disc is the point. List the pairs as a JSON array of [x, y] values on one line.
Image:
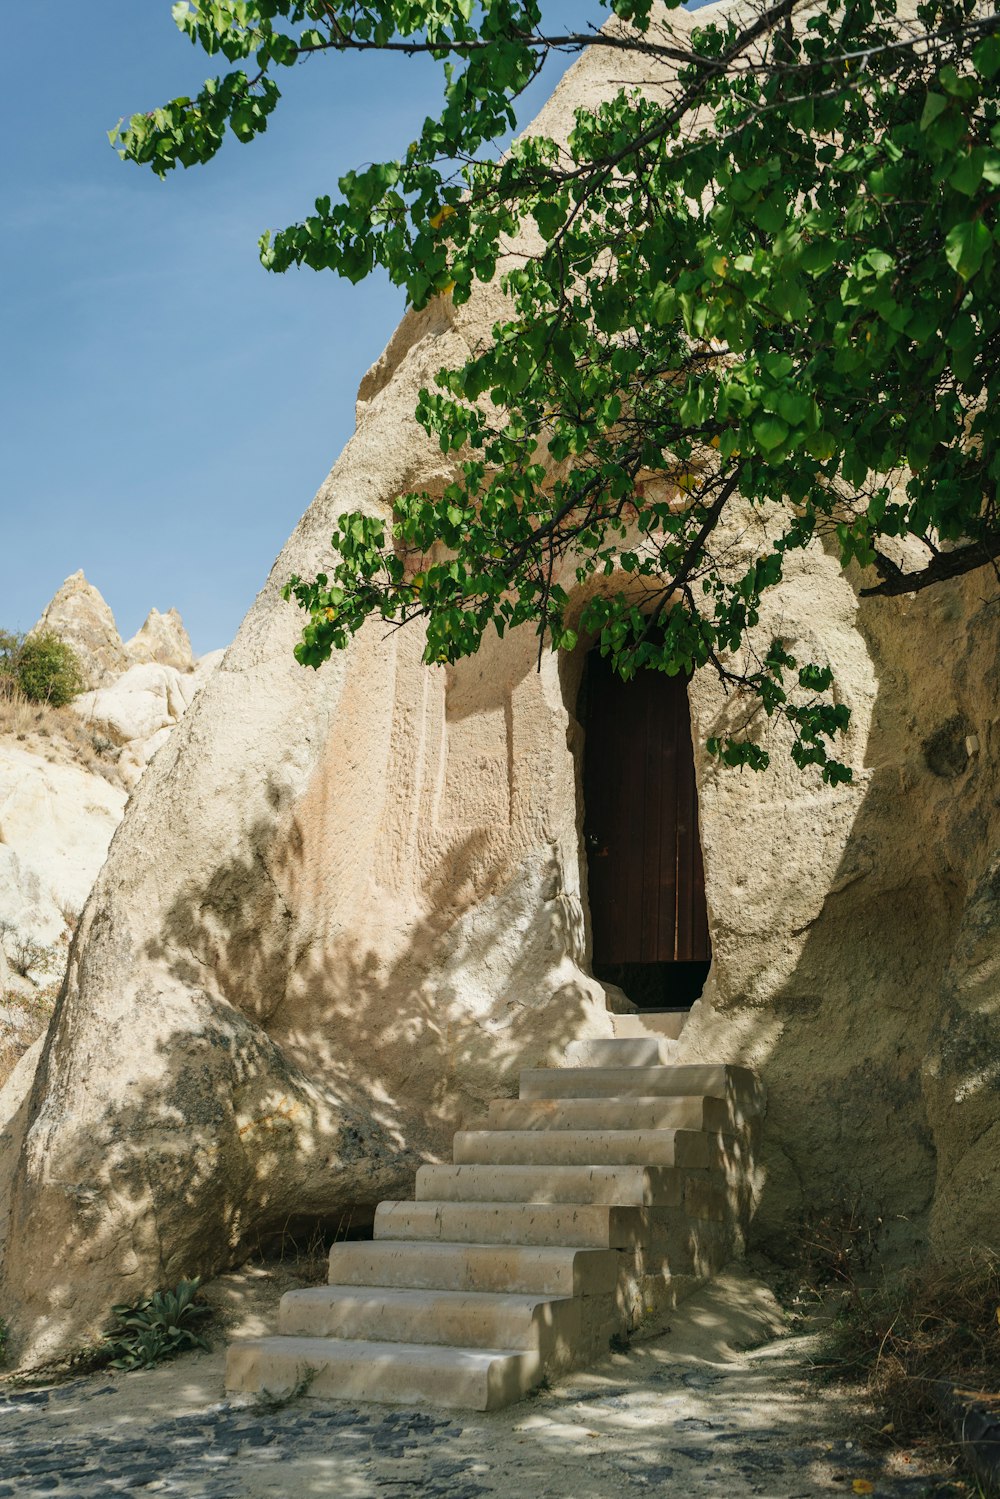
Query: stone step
[[665, 1023], [593, 1147], [629, 1051], [462, 1319], [635, 1186], [599, 1226], [612, 1113], [603, 1191], [690, 1081], [542, 1269], [395, 1373]]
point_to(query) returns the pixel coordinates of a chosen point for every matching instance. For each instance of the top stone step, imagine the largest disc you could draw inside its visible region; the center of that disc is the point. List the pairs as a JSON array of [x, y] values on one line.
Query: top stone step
[[628, 1051], [697, 1080], [666, 1024]]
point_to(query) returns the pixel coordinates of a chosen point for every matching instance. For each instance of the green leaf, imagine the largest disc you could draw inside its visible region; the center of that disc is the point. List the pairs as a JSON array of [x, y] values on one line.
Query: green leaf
[[770, 432], [819, 256], [986, 57], [966, 245], [934, 106], [967, 172]]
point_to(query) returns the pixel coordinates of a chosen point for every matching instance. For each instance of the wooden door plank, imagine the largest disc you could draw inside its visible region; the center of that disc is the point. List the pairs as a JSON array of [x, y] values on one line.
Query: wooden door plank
[[671, 769], [632, 703], [618, 835], [595, 748], [645, 876], [654, 801], [687, 839]]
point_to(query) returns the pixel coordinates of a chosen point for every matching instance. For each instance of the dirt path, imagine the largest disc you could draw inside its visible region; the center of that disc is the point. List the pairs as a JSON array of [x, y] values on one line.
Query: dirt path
[[717, 1406]]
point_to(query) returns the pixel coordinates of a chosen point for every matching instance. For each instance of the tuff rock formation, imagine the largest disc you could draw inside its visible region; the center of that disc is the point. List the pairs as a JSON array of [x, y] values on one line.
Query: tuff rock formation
[[344, 908], [80, 616], [139, 709], [163, 640], [64, 778]]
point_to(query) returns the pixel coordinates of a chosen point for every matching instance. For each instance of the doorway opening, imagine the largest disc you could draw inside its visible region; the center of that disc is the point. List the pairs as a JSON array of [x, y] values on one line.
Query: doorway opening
[[657, 986], [646, 879]]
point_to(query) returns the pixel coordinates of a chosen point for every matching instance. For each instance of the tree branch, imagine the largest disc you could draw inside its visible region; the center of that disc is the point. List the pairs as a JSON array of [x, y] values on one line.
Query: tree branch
[[944, 565]]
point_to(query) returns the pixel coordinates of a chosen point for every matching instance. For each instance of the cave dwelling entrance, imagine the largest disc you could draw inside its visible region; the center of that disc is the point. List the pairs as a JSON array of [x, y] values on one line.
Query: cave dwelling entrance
[[646, 879]]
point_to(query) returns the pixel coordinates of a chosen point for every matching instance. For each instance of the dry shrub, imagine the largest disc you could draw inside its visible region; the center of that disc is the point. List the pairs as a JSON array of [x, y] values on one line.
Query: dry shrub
[[59, 735], [905, 1335], [303, 1243], [23, 1018], [831, 1253], [839, 1246]]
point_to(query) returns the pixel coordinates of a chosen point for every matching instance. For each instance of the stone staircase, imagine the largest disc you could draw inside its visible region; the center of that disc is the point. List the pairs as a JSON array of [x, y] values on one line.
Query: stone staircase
[[586, 1206]]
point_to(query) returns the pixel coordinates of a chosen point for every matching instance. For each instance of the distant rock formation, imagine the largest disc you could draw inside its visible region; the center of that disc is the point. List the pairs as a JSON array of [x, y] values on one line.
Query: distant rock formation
[[139, 709], [65, 776], [79, 615], [137, 691], [163, 640]]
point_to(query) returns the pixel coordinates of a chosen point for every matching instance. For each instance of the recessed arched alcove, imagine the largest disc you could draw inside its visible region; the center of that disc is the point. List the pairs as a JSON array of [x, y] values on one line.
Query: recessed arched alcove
[[645, 875]]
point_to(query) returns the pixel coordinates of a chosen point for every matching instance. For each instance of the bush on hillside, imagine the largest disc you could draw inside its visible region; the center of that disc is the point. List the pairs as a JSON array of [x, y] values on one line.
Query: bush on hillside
[[42, 668]]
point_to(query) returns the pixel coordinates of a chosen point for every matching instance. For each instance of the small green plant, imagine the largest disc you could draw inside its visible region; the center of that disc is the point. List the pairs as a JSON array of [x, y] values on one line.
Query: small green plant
[[158, 1327], [41, 668]]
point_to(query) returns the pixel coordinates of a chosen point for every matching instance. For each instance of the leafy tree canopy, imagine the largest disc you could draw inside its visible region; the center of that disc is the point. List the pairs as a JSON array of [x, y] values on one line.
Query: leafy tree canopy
[[769, 279]]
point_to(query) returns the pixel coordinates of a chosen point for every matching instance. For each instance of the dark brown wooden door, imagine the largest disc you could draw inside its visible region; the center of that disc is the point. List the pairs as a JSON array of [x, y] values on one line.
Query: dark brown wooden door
[[645, 875]]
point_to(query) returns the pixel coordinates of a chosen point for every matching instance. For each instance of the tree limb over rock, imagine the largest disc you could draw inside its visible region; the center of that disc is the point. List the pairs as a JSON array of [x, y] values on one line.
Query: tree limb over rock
[[944, 565]]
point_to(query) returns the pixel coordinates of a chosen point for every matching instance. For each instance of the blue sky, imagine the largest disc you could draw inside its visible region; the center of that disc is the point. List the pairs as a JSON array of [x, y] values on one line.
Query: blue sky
[[169, 408]]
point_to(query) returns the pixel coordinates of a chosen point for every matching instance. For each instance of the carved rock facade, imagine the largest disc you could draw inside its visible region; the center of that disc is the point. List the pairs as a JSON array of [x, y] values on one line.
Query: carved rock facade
[[344, 909]]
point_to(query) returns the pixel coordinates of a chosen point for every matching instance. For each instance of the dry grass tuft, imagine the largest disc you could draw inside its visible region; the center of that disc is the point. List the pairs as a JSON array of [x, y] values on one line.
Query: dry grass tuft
[[900, 1338], [23, 1018], [59, 735]]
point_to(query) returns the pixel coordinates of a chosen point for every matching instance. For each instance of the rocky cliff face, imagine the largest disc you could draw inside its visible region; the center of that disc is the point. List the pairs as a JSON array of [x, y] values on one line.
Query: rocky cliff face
[[855, 941], [343, 909], [65, 775]]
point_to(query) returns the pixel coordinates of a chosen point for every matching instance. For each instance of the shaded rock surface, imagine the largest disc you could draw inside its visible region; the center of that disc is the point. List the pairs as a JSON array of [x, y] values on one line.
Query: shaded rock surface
[[856, 955]]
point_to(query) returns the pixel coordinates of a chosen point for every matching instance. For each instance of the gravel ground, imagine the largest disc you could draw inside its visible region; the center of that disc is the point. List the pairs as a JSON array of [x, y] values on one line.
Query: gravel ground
[[719, 1405]]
